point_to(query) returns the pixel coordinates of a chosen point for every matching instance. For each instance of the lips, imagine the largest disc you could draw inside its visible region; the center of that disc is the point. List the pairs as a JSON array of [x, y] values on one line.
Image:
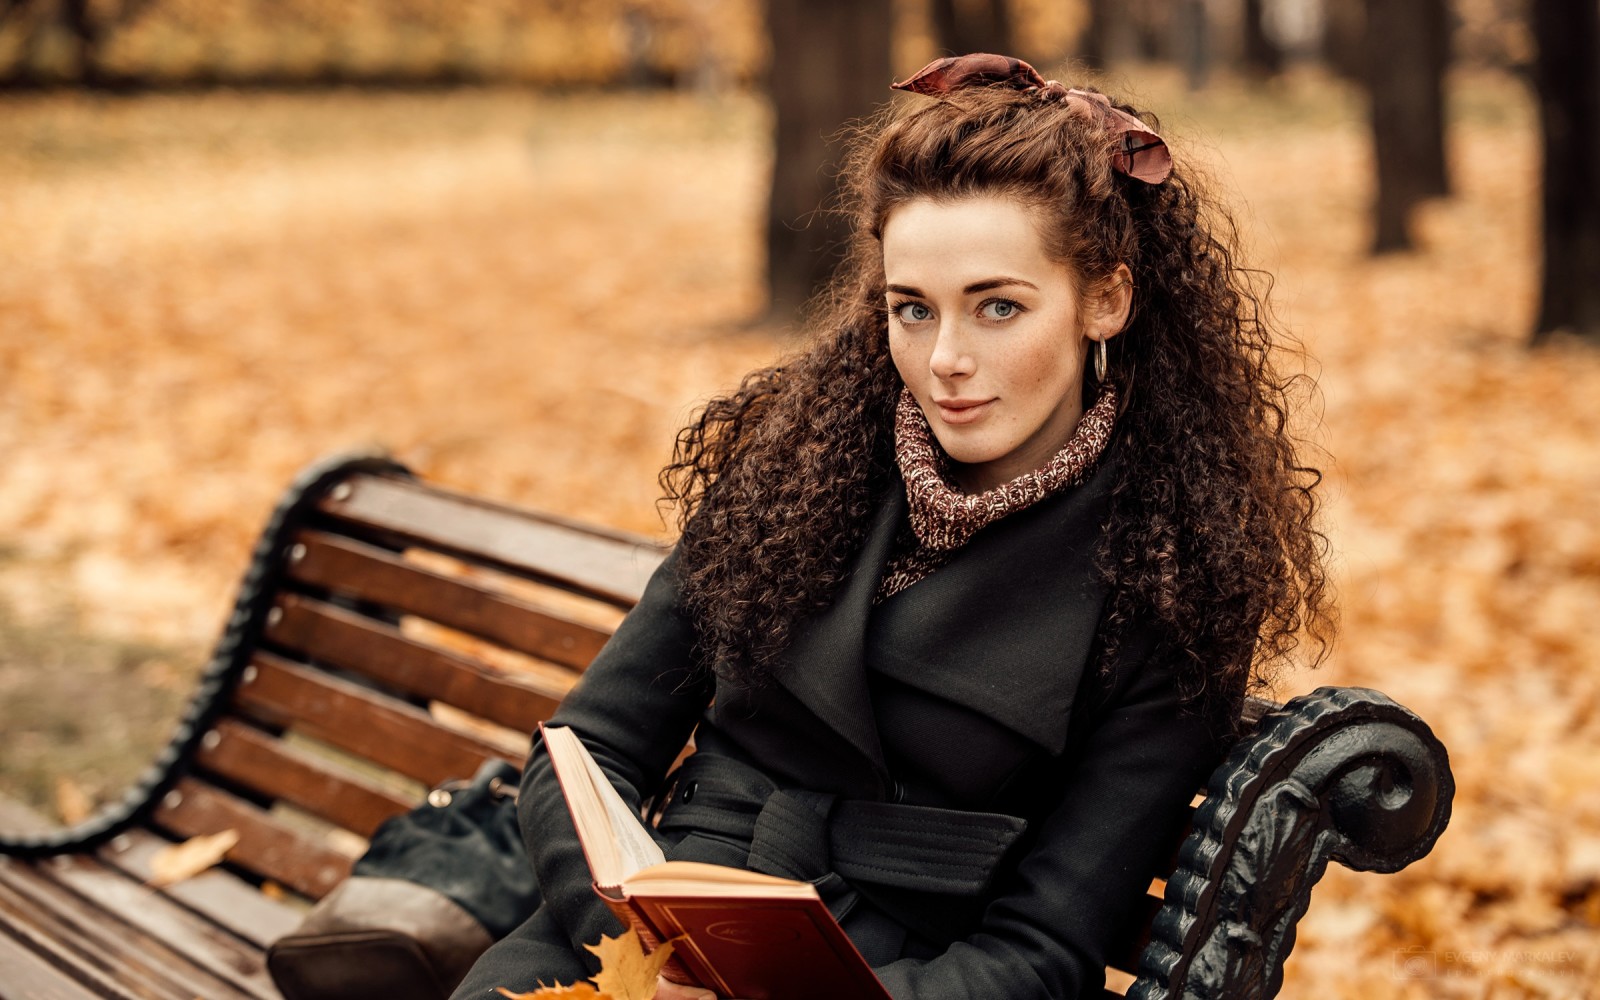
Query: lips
[[961, 411]]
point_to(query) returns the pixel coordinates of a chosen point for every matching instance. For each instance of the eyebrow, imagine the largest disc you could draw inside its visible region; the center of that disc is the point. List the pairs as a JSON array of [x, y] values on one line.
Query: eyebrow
[[972, 289]]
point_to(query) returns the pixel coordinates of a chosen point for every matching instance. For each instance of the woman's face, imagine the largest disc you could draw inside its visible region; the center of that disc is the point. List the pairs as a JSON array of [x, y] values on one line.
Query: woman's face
[[989, 333]]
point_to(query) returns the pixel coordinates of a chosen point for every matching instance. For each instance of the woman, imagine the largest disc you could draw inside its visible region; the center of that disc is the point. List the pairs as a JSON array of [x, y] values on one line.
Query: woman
[[967, 596]]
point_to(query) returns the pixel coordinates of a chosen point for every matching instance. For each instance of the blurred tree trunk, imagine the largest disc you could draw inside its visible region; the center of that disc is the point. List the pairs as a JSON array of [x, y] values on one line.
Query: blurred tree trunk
[[1153, 29], [962, 26], [1192, 29], [1567, 77], [1436, 173], [1344, 37], [1109, 35], [830, 64], [1405, 62], [87, 36], [1260, 54]]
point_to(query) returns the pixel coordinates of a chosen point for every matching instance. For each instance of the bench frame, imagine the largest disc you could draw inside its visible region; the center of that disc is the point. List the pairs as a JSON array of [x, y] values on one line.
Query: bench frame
[[1342, 774]]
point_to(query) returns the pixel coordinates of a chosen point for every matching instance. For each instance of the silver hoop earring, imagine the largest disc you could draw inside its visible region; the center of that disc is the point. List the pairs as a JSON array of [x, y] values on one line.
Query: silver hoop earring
[[1100, 365]]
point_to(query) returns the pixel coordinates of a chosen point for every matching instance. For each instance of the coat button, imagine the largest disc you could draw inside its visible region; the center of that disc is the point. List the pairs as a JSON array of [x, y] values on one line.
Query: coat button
[[688, 791]]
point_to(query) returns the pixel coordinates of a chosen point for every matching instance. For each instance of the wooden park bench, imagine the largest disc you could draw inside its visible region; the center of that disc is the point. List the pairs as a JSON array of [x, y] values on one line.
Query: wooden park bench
[[390, 635]]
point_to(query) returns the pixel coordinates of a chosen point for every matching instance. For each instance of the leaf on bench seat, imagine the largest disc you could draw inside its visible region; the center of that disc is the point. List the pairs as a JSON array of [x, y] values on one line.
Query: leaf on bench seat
[[188, 859]]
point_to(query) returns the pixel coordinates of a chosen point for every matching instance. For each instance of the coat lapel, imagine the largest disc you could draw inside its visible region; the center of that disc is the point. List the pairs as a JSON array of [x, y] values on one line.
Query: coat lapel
[[1007, 627], [824, 666]]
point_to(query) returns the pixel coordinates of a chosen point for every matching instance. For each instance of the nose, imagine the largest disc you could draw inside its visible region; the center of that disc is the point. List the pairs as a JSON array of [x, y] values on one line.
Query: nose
[[951, 357]]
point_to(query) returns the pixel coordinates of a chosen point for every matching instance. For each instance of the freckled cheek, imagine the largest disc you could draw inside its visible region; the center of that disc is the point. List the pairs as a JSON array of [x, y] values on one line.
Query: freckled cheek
[[1037, 385], [1033, 380], [905, 362]]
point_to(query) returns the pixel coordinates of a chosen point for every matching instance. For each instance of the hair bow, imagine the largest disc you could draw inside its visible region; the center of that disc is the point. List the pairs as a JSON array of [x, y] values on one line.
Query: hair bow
[[1141, 153]]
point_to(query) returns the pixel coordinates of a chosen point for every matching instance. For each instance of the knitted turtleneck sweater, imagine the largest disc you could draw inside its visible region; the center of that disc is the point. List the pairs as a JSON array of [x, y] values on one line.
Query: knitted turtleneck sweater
[[941, 518]]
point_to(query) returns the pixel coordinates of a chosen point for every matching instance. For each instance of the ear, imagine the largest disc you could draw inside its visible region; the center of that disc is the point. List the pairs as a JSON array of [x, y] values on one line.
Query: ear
[[1107, 304]]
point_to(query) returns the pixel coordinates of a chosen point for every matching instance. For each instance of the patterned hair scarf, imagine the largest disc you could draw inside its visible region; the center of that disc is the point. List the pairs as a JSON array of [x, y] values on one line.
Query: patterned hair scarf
[[1140, 152], [942, 518]]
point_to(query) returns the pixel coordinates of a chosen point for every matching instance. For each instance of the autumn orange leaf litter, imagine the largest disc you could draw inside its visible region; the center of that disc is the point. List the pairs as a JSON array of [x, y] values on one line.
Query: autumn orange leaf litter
[[627, 972]]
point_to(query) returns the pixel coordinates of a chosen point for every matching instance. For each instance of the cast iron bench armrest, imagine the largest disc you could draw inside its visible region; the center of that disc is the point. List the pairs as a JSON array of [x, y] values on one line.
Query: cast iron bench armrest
[[1343, 774]]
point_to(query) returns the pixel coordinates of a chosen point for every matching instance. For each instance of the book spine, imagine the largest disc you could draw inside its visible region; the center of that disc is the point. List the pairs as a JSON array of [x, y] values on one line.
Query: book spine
[[673, 970]]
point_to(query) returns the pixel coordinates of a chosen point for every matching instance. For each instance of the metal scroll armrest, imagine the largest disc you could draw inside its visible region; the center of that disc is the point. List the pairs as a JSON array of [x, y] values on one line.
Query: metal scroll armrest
[[1344, 774]]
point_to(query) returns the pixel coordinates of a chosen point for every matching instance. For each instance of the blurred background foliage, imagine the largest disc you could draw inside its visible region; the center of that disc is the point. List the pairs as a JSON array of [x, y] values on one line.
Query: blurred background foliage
[[315, 42], [539, 42], [706, 43], [603, 42]]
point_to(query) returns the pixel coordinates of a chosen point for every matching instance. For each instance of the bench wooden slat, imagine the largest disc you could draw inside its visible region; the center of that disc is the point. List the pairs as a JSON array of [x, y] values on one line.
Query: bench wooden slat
[[200, 942], [266, 846], [373, 649], [36, 938], [29, 976], [113, 958], [607, 565], [257, 761], [216, 899], [217, 896], [373, 574], [397, 736]]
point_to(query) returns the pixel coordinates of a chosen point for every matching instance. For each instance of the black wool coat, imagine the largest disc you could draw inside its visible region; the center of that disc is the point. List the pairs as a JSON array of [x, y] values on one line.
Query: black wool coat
[[987, 668]]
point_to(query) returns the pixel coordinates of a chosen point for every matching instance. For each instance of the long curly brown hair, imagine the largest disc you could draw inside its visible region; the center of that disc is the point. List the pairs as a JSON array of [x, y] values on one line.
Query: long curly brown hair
[[1211, 535]]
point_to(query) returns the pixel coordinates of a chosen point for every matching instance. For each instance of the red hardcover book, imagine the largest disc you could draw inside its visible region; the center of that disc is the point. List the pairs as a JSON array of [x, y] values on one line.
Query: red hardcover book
[[738, 933]]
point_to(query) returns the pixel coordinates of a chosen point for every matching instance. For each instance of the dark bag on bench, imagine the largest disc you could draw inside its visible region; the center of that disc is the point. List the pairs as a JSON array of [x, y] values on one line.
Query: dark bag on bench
[[437, 886]]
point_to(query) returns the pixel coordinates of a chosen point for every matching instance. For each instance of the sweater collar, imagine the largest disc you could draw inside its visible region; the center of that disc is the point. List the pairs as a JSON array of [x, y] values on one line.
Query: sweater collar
[[943, 517]]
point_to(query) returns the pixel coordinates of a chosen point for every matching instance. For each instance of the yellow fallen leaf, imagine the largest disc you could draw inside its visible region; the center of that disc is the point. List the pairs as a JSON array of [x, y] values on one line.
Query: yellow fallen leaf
[[73, 804], [190, 858], [626, 972]]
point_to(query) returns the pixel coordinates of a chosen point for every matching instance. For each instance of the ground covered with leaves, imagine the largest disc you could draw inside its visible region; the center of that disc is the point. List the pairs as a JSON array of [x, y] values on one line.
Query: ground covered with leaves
[[525, 296]]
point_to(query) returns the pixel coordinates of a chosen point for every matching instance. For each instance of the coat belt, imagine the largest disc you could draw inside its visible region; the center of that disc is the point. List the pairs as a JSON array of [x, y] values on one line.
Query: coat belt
[[805, 835]]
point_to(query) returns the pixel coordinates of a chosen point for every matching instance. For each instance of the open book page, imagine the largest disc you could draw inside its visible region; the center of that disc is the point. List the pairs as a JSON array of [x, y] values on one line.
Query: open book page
[[614, 838], [694, 878]]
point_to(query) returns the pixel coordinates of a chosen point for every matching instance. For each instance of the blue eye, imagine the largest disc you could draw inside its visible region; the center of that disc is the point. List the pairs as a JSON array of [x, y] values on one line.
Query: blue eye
[[913, 312], [999, 309]]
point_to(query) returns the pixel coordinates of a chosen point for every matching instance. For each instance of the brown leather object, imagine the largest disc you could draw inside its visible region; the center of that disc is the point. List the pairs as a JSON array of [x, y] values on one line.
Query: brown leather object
[[378, 937]]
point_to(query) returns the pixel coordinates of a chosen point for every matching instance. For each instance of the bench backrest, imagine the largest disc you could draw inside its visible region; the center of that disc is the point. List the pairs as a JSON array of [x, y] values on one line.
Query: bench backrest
[[391, 636], [388, 636]]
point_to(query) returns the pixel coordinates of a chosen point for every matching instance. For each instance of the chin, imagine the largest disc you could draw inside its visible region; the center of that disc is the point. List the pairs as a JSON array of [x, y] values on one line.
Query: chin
[[965, 451]]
